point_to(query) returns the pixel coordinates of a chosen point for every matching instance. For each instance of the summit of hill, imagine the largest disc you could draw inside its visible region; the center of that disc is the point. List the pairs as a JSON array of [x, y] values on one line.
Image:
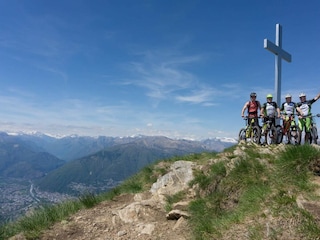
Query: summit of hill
[[245, 192]]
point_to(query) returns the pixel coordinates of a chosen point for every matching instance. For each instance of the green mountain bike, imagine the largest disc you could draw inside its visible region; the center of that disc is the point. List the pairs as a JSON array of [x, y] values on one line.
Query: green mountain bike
[[314, 130], [312, 137], [250, 133], [269, 132]]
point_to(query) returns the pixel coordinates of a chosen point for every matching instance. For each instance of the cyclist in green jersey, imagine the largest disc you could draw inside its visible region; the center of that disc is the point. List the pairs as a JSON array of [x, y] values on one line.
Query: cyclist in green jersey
[[304, 110]]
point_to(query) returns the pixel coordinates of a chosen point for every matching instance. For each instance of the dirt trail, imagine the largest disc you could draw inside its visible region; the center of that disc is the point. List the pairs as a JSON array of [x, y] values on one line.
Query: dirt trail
[[101, 222]]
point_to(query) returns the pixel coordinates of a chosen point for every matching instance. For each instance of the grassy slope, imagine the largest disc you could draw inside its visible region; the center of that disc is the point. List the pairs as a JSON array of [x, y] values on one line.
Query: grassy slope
[[246, 192]]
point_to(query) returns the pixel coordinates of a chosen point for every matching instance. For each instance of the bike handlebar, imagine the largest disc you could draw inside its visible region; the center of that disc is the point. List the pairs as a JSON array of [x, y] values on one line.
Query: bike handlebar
[[310, 115], [246, 117], [268, 117], [316, 115]]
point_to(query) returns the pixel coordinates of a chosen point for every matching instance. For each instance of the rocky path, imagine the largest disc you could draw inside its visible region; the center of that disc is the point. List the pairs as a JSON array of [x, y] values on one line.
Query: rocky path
[[133, 216], [109, 220]]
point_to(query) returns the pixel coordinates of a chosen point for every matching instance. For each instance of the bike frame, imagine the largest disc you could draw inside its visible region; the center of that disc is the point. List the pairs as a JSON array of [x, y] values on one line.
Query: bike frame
[[314, 130], [269, 131], [290, 129], [250, 131], [313, 134]]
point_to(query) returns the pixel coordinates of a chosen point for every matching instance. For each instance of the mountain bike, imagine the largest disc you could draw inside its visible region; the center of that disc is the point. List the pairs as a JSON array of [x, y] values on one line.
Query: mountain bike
[[312, 136], [314, 130], [290, 132], [279, 134], [269, 132], [250, 132]]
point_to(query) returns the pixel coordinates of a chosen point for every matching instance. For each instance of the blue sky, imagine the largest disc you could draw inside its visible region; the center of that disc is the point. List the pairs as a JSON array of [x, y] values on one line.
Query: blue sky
[[182, 69]]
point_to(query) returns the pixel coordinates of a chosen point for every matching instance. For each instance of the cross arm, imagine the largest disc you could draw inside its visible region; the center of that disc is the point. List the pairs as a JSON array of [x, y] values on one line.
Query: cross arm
[[277, 50]]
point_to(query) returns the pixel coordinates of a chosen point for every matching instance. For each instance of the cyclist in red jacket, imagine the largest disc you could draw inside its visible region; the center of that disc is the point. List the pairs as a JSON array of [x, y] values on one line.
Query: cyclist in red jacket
[[253, 106]]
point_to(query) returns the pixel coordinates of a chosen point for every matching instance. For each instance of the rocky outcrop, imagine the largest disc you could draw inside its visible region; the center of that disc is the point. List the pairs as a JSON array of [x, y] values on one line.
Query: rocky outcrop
[[144, 205], [176, 180], [141, 216]]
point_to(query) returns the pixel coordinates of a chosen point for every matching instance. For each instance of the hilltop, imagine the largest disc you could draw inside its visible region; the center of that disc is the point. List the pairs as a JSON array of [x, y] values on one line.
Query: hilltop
[[245, 192]]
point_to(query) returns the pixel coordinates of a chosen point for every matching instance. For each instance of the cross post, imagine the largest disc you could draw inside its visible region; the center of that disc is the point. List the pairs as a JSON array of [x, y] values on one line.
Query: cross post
[[279, 54]]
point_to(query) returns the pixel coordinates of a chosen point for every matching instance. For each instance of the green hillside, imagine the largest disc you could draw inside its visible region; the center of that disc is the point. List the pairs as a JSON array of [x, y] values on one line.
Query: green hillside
[[17, 160], [104, 168]]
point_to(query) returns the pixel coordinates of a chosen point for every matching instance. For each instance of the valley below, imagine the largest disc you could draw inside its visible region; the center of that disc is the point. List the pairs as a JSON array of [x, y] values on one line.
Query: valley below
[[19, 197]]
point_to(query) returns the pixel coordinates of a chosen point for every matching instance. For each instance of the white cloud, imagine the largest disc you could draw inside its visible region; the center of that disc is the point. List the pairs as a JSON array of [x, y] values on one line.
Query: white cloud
[[197, 97], [163, 75]]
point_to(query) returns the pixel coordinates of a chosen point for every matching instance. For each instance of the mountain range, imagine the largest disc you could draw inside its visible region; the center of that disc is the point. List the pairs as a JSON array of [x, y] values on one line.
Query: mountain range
[[108, 167], [73, 163], [74, 146], [40, 169], [19, 160]]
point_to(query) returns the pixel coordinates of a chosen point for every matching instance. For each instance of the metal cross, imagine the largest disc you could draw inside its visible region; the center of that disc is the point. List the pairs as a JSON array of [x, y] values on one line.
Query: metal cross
[[280, 53]]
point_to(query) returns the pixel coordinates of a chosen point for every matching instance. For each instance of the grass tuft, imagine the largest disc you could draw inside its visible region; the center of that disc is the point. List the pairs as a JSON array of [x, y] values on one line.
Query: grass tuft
[[89, 200], [171, 199]]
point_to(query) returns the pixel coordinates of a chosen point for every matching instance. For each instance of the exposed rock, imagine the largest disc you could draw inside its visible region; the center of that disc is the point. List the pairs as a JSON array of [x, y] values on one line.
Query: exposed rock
[[20, 236], [146, 228], [176, 214], [121, 233], [181, 205], [139, 216], [174, 181]]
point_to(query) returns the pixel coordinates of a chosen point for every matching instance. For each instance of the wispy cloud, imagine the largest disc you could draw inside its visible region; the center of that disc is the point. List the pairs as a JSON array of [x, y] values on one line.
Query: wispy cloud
[[201, 96], [22, 106], [165, 77]]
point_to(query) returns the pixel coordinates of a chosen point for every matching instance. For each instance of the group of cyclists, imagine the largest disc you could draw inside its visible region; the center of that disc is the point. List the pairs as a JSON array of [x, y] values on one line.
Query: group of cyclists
[[270, 110]]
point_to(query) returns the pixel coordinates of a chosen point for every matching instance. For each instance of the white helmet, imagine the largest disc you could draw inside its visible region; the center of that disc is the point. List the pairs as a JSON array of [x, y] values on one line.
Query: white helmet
[[288, 95], [302, 95]]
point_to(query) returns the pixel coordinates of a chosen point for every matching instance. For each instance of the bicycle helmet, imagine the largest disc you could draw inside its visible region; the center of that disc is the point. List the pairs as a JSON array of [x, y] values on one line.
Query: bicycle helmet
[[302, 95], [269, 95], [288, 96], [253, 94]]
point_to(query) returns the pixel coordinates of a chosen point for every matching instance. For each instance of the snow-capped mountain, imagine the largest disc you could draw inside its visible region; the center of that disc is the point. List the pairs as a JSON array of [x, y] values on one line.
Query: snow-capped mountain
[[71, 147]]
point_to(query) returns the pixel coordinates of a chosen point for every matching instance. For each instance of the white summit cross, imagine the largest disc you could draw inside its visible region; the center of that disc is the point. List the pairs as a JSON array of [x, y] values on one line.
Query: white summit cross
[[280, 53]]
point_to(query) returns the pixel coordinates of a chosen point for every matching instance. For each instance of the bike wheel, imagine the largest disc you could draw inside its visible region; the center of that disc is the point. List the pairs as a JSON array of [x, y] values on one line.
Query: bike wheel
[[242, 135], [294, 136], [256, 134], [307, 138], [279, 134], [286, 138], [272, 135], [299, 136], [313, 135]]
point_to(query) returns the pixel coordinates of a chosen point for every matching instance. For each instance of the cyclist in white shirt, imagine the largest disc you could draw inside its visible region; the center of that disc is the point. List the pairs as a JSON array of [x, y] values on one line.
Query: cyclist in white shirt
[[287, 109], [269, 111]]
